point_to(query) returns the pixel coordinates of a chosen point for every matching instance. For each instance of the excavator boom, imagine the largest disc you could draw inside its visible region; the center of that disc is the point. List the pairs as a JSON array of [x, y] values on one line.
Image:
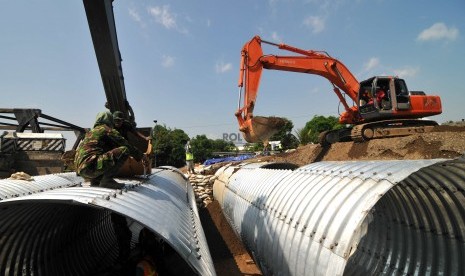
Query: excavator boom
[[253, 61], [103, 31]]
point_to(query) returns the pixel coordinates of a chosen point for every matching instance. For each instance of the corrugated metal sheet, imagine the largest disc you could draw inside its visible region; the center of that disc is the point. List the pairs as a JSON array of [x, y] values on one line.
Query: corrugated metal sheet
[[224, 173], [68, 231], [15, 188], [351, 218]]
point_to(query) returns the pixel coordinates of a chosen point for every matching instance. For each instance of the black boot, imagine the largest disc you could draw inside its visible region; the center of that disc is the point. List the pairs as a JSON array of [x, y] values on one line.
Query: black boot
[[94, 182], [110, 183]]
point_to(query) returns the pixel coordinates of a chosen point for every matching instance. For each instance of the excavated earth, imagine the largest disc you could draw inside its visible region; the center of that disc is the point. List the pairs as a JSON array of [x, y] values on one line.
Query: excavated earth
[[229, 255]]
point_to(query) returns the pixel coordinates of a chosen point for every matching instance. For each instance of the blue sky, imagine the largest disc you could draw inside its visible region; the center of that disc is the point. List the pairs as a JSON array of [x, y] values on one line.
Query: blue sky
[[181, 58]]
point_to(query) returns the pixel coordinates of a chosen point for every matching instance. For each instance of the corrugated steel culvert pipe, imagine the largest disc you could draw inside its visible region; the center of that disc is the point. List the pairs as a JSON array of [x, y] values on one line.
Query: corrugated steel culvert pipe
[[53, 226], [350, 218]]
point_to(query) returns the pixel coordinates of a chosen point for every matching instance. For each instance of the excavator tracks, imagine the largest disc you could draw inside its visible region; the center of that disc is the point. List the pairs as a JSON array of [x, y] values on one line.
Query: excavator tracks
[[356, 133], [392, 128], [377, 130]]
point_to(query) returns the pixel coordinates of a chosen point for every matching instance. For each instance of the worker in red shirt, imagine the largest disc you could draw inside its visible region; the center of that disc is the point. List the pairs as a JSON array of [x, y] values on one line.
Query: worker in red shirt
[[380, 96]]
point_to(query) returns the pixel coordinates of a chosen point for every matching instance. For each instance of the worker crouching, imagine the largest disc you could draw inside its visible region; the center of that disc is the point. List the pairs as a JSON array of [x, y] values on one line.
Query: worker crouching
[[102, 152]]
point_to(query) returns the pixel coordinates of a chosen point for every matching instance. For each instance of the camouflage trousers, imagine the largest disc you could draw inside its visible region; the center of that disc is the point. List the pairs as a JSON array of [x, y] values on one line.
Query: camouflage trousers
[[106, 164]]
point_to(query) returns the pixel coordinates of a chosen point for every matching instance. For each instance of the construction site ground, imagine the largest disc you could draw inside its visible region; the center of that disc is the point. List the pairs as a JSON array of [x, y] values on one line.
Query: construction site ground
[[229, 255]]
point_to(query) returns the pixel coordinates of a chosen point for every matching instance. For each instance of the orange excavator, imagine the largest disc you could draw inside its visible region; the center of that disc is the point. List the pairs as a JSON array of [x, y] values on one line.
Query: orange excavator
[[382, 106]]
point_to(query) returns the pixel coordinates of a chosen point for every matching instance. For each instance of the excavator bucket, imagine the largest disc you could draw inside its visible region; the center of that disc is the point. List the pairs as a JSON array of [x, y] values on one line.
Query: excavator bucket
[[260, 129]]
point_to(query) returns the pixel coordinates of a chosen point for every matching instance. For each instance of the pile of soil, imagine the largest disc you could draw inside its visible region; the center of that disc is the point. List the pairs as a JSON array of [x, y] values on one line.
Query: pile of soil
[[444, 142], [228, 253]]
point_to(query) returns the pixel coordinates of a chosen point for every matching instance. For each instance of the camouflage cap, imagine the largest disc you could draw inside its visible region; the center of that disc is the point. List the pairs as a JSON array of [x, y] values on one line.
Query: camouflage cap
[[104, 118]]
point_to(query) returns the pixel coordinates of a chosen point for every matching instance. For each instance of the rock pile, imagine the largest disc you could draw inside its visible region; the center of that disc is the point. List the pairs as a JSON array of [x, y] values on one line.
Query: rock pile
[[203, 188]]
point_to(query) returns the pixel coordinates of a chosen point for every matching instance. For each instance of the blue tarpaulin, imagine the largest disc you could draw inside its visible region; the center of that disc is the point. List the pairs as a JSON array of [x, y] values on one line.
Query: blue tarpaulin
[[227, 159]]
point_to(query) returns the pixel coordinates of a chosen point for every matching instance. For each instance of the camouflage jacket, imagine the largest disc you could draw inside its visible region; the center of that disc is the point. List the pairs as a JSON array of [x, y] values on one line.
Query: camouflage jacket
[[98, 141]]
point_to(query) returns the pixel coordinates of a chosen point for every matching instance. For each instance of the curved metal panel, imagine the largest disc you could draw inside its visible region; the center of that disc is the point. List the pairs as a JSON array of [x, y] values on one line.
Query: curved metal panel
[[15, 188], [224, 173], [354, 218], [69, 230]]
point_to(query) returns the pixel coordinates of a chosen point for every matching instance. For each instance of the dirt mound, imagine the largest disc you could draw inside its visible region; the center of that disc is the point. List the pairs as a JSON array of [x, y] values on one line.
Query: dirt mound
[[444, 142]]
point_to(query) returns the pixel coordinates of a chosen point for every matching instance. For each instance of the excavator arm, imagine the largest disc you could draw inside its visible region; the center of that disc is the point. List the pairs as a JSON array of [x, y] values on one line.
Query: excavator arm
[[102, 27], [103, 31], [253, 61]]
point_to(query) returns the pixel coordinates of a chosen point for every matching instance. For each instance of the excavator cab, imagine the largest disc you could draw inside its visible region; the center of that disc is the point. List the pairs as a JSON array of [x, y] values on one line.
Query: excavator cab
[[383, 97], [391, 99]]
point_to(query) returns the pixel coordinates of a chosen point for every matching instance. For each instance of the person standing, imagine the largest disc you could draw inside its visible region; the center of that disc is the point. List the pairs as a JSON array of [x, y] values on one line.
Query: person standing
[[189, 158]]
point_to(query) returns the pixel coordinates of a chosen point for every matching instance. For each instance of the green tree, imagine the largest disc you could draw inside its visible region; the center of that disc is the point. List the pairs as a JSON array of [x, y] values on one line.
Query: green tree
[[169, 145], [202, 148], [220, 145], [303, 135], [288, 140], [178, 153], [312, 129]]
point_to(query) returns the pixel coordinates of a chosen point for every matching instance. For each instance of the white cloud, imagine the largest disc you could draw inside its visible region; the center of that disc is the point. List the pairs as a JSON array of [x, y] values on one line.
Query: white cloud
[[370, 64], [406, 72], [272, 2], [328, 6], [164, 17], [316, 23], [439, 31], [134, 15], [222, 67], [209, 23], [276, 37], [168, 61]]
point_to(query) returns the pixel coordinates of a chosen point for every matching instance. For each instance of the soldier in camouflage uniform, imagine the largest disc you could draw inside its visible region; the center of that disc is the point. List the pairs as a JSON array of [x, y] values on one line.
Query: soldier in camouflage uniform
[[123, 126], [99, 156], [102, 152]]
